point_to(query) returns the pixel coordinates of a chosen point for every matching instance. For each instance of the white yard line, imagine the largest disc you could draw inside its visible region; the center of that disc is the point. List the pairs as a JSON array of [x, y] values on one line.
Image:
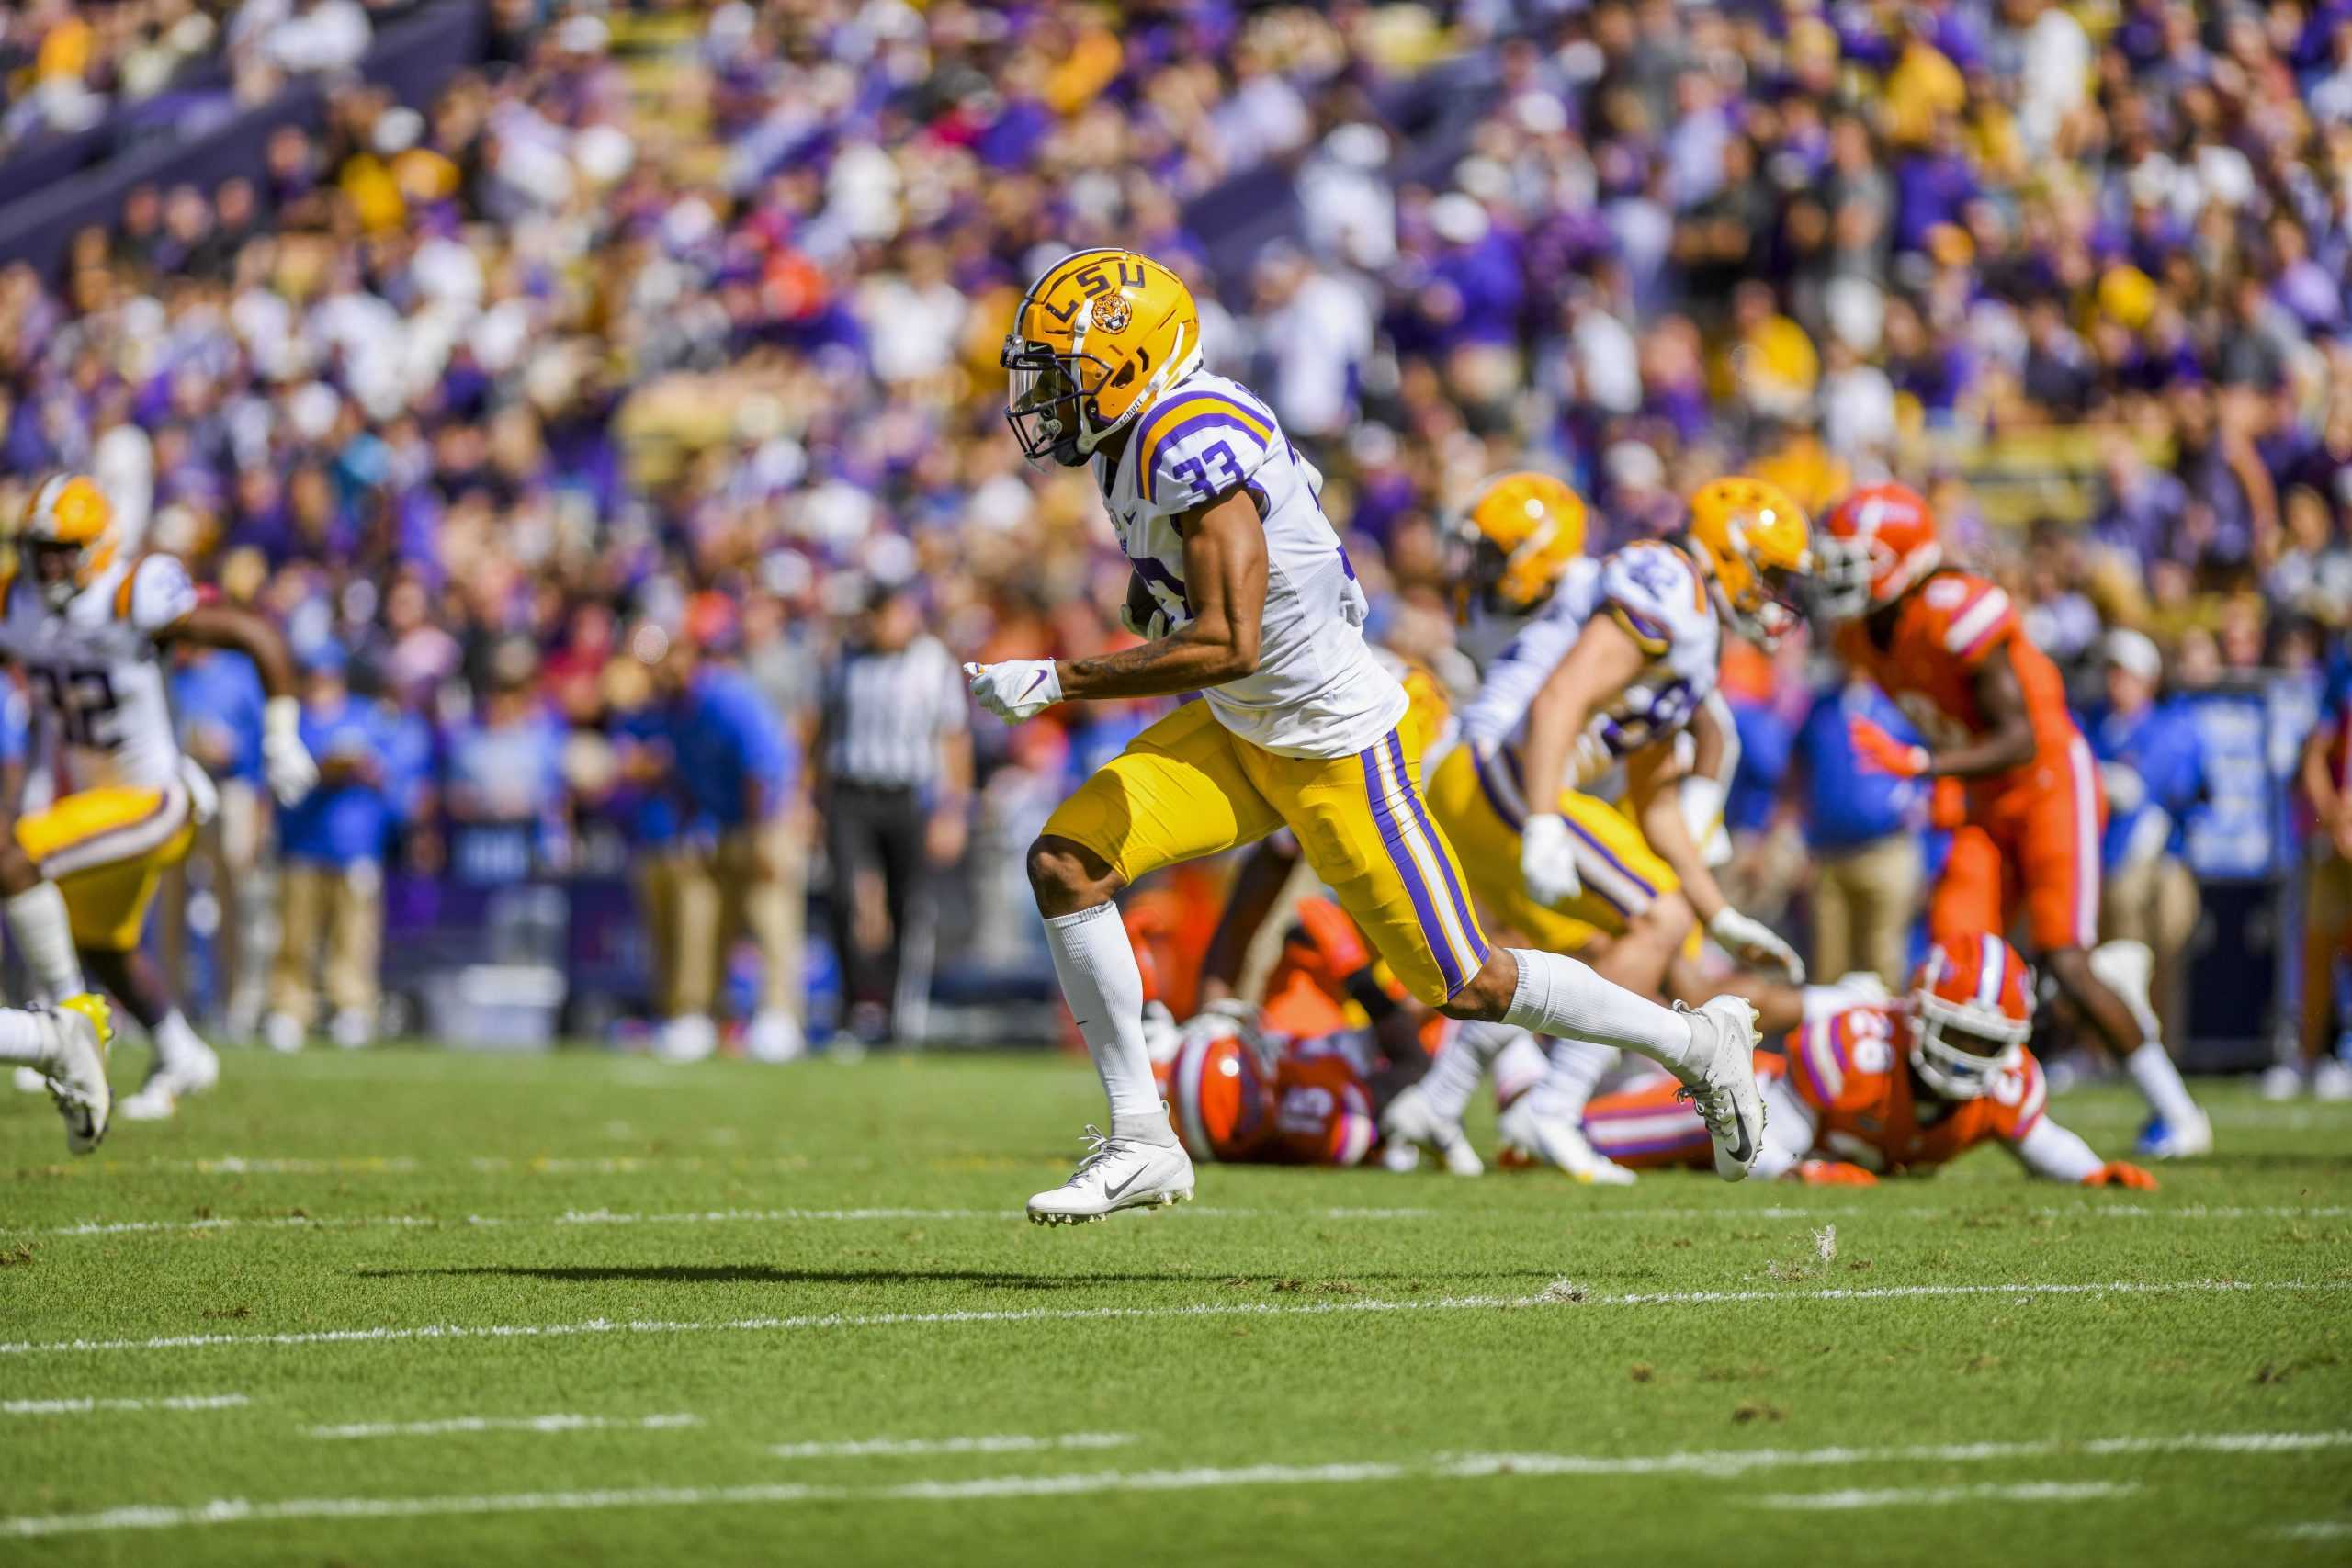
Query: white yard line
[[2190, 1212], [2317, 1529], [453, 1426], [600, 1326], [93, 1407], [992, 1443], [1944, 1497], [1441, 1467]]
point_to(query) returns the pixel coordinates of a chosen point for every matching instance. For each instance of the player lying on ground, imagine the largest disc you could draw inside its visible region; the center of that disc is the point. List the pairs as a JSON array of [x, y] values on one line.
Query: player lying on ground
[[1586, 775], [1247, 596], [1874, 1088], [1300, 1080], [1952, 652], [87, 622]]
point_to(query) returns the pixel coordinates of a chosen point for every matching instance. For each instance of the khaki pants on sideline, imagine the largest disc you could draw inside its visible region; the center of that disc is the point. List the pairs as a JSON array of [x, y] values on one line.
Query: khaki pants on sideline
[[2156, 902], [343, 905], [671, 893], [1863, 902], [753, 883]]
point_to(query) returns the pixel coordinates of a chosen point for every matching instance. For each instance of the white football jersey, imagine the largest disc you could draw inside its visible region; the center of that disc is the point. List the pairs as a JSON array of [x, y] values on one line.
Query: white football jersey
[[1656, 594], [1318, 692], [96, 676]]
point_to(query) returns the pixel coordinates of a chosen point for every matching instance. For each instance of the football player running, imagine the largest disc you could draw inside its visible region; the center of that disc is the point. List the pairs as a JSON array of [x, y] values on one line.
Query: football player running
[[87, 622], [1875, 1088], [1254, 605], [1584, 781], [1951, 650]]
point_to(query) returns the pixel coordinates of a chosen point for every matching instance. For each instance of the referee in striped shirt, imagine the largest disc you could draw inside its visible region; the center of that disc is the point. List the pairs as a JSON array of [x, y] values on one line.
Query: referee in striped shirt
[[895, 751]]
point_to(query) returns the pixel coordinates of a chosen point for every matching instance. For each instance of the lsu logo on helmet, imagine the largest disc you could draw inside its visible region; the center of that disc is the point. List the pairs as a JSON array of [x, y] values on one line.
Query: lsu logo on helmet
[[1098, 337], [1760, 546]]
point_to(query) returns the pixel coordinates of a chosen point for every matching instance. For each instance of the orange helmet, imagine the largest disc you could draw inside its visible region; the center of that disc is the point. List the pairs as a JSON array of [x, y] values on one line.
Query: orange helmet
[[1098, 337], [69, 517], [1879, 541], [1222, 1097], [1972, 1010]]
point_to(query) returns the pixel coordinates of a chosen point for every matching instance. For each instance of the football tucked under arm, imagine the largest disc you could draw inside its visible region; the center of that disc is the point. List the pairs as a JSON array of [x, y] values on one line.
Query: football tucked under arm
[[1141, 613]]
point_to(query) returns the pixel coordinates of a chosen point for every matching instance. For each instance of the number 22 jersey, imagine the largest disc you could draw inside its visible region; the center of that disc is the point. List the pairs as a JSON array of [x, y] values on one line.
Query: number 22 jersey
[[95, 674], [1318, 690]]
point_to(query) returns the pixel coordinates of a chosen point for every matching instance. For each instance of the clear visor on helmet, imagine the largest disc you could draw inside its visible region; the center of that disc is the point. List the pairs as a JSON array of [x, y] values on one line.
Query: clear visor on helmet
[[1045, 402], [1773, 607], [1960, 1049]]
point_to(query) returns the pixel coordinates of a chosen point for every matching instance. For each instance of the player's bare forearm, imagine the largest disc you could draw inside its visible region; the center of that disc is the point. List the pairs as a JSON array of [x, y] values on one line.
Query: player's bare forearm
[[1187, 661], [2008, 742], [238, 631], [1602, 663], [1225, 578], [1670, 835], [1256, 887]]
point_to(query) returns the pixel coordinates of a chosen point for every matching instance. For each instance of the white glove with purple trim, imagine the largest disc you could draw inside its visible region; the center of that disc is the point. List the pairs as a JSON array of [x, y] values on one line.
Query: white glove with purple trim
[[1016, 689]]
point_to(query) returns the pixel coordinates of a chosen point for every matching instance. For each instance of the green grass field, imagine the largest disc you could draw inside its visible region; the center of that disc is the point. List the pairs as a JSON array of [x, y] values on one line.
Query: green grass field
[[418, 1307]]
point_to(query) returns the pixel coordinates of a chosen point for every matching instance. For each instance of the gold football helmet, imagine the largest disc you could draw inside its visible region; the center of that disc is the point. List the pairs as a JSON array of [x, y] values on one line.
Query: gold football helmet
[[1098, 337]]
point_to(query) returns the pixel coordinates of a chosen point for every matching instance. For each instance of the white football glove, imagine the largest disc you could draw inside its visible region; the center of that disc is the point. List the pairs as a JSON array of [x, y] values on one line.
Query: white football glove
[[285, 760], [1755, 943], [1547, 860], [1016, 689]]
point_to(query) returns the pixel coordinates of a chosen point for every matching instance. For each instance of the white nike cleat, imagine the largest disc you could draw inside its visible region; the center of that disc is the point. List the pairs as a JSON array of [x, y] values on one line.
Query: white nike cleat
[[1724, 1088], [1412, 1123], [192, 1072], [77, 1077], [1117, 1173], [1535, 1125]]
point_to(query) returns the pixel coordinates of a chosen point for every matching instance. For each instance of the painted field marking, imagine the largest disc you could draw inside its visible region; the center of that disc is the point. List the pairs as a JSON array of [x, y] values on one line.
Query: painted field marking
[[1944, 1497], [601, 1325], [94, 1406], [993, 1443], [1187, 1214], [2317, 1529], [1457, 1467], [455, 1425]]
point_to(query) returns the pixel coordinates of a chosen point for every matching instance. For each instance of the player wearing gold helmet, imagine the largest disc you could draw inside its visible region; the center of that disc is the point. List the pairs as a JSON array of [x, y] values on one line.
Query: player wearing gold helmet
[[1299, 726]]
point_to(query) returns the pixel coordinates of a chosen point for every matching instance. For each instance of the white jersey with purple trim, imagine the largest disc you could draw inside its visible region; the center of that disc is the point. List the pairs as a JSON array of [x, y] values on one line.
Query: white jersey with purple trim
[[1656, 594], [1318, 692], [96, 676]]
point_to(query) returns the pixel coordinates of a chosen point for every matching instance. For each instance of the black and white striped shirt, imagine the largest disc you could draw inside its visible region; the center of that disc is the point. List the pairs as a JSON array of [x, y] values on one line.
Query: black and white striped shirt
[[886, 712]]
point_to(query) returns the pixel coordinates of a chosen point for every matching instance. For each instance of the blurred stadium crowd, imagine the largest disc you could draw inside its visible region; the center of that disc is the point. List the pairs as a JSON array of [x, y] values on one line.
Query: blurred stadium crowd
[[674, 327]]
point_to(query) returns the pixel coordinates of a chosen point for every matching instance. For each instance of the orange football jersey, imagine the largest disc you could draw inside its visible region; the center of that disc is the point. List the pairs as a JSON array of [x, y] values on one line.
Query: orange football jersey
[[1323, 1110], [1849, 1068], [1944, 630]]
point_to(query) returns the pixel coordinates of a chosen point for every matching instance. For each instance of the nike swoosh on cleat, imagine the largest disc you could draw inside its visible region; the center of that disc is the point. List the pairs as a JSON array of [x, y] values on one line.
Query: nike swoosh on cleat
[[1122, 1187]]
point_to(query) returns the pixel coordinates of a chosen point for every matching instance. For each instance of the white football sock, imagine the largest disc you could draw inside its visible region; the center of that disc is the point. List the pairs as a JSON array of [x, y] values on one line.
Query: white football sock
[[1105, 987], [1453, 1078], [176, 1040], [26, 1037], [1561, 997], [1521, 1067], [1575, 1070], [38, 923], [2152, 1069]]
